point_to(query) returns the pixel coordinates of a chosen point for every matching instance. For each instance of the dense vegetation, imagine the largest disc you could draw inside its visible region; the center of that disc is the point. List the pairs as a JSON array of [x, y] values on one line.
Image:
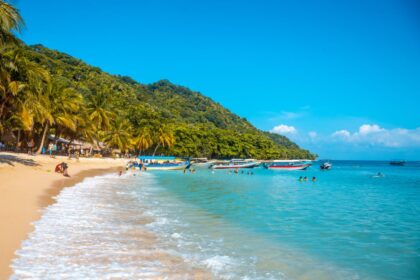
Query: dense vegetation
[[48, 92]]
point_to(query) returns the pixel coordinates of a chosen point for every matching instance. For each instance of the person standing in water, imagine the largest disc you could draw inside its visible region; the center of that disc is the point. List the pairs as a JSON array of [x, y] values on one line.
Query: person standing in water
[[300, 179], [314, 179]]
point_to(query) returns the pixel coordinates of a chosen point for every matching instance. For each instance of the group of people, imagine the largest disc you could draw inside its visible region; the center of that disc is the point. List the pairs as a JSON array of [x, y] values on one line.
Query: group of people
[[236, 171], [52, 148], [192, 170], [305, 179]]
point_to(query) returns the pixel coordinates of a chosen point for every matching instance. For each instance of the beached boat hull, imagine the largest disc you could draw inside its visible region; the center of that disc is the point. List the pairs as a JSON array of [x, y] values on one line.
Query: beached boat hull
[[288, 168], [235, 166]]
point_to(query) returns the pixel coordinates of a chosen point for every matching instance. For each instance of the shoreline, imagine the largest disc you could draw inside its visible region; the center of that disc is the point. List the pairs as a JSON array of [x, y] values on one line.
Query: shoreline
[[28, 185]]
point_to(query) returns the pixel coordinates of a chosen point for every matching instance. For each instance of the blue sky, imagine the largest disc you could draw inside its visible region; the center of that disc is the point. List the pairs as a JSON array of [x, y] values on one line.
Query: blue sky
[[341, 78]]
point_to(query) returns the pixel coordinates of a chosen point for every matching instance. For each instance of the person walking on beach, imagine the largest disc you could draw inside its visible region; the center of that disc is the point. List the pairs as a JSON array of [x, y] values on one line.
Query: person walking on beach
[[31, 145], [50, 149]]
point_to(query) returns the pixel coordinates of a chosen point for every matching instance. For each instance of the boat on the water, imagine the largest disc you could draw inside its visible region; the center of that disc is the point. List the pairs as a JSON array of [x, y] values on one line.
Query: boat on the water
[[161, 163], [326, 166], [288, 165], [201, 162], [235, 164], [397, 162]]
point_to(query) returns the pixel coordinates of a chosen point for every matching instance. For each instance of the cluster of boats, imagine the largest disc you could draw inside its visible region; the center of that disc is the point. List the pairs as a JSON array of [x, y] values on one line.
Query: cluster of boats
[[174, 163]]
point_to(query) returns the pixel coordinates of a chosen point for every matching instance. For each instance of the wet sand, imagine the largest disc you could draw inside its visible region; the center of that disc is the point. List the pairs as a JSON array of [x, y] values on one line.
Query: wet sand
[[28, 184]]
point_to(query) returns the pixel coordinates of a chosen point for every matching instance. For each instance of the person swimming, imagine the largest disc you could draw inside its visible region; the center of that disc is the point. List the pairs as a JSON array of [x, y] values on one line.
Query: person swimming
[[300, 179], [314, 179], [378, 175], [305, 178]]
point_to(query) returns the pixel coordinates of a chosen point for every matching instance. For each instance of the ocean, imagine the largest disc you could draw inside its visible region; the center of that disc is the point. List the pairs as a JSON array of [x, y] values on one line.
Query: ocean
[[349, 224]]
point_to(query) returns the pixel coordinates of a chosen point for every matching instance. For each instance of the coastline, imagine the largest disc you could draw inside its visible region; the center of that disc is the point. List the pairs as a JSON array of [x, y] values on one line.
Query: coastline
[[29, 184]]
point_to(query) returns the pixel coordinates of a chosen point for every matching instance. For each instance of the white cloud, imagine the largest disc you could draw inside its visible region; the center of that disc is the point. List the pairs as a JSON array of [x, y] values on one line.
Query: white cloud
[[312, 134], [374, 135], [370, 128], [342, 133], [284, 129]]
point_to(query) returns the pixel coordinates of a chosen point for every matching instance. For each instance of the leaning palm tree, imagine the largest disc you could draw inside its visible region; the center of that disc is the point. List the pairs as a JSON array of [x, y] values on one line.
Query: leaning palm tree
[[64, 104], [18, 75], [164, 137], [119, 135], [99, 110], [144, 140], [21, 81], [10, 21]]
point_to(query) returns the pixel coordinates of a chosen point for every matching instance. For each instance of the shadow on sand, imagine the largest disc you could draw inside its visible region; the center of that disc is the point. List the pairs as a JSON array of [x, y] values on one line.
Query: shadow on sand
[[12, 160]]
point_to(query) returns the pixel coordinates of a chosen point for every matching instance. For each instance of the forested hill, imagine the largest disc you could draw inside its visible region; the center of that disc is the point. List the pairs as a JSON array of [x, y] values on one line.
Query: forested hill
[[201, 126]]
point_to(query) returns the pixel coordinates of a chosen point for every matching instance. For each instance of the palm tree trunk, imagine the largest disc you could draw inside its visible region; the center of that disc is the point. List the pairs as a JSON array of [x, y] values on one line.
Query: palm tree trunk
[[44, 135], [18, 141], [157, 146]]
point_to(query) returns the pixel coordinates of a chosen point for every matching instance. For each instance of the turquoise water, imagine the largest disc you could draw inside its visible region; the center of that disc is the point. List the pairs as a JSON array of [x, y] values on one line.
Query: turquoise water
[[349, 224]]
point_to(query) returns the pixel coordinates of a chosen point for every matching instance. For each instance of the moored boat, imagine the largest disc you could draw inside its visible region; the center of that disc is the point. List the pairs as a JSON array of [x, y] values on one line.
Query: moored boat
[[397, 162], [235, 164], [326, 166], [288, 165], [201, 162], [162, 163]]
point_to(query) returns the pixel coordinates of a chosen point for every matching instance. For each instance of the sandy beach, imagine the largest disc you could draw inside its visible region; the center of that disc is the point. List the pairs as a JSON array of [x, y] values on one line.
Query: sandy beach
[[28, 184]]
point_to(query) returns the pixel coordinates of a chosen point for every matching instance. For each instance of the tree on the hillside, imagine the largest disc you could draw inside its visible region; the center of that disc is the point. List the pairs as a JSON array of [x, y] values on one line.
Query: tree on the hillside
[[144, 139], [163, 136], [10, 21], [99, 109], [64, 104], [119, 135]]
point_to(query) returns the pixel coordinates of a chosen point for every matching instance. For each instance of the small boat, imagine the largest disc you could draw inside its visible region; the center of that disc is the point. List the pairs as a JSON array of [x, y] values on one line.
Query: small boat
[[201, 162], [162, 163], [397, 162], [326, 166], [288, 165], [235, 164]]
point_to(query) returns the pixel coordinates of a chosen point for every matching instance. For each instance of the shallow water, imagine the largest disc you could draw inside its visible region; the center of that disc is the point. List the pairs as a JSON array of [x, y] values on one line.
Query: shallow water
[[215, 225]]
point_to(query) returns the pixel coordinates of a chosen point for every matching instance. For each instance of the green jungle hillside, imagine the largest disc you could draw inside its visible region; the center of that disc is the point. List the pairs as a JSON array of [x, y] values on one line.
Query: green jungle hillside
[[202, 127]]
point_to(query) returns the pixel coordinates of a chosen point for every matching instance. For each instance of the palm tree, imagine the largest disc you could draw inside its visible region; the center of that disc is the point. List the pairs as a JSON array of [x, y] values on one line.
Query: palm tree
[[21, 82], [63, 105], [164, 137], [99, 110], [144, 140], [119, 135], [10, 20]]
